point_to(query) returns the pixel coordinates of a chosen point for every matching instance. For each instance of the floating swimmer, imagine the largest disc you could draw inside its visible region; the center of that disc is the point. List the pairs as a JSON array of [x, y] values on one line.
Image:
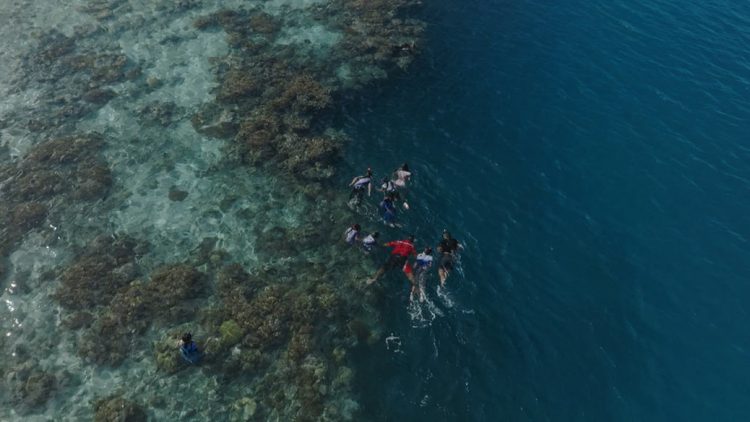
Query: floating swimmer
[[448, 249], [189, 350], [391, 187], [422, 264], [358, 185], [398, 258], [403, 175], [351, 235], [388, 211], [370, 241]]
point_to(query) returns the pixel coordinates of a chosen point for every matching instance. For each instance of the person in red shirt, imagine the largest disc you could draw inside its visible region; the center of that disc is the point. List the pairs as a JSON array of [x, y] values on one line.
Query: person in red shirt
[[398, 258]]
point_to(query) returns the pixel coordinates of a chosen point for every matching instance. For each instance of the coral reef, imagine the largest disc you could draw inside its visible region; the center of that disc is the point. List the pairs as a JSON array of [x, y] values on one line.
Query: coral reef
[[284, 94], [118, 409], [163, 113], [36, 389], [95, 276], [59, 170], [166, 298], [71, 79], [376, 38], [28, 215], [282, 328], [31, 387]]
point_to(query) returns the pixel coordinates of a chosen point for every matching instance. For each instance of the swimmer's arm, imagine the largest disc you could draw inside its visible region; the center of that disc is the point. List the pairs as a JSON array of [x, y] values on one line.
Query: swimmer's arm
[[369, 188]]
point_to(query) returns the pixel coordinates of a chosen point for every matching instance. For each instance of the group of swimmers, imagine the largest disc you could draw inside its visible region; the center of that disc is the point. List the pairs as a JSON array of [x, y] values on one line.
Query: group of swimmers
[[402, 250], [393, 191]]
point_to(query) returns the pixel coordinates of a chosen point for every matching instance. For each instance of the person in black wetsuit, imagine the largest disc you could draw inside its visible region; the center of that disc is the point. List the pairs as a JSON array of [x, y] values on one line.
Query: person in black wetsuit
[[448, 249]]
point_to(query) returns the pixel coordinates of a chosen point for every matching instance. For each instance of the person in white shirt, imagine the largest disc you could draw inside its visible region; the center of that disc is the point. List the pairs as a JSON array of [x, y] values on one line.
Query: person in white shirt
[[351, 234], [402, 175], [421, 266], [359, 184], [370, 241]]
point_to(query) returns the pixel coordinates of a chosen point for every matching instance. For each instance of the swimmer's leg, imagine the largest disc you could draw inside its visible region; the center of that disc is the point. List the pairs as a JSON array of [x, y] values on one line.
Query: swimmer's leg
[[443, 274], [377, 275]]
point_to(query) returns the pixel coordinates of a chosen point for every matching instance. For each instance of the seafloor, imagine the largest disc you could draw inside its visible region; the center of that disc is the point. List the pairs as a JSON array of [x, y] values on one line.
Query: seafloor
[[169, 166]]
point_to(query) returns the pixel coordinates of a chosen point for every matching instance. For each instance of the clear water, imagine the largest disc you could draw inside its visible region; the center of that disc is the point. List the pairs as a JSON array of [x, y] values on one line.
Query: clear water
[[592, 156]]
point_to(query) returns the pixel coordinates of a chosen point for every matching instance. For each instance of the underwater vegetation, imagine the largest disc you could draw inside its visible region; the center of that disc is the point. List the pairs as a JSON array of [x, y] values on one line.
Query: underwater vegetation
[[276, 337], [53, 173]]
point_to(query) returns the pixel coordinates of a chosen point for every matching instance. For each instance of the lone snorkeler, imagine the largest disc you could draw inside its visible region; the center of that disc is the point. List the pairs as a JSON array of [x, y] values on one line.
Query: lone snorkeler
[[189, 350], [399, 256]]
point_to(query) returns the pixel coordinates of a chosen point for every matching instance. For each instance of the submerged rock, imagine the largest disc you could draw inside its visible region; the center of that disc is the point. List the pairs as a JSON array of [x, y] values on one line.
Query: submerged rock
[[215, 122], [177, 195], [99, 96]]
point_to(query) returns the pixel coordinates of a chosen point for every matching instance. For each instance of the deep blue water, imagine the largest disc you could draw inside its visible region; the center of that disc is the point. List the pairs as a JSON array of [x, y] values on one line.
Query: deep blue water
[[594, 156]]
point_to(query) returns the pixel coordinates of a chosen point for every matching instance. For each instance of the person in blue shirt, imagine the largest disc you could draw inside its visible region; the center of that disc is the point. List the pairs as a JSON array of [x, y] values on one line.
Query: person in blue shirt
[[189, 350]]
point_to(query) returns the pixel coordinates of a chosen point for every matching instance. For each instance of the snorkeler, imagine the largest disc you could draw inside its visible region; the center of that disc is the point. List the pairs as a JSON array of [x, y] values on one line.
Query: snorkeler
[[388, 211], [189, 350], [390, 189], [351, 234], [358, 185], [403, 175], [449, 243], [422, 264], [370, 241], [397, 259], [448, 249]]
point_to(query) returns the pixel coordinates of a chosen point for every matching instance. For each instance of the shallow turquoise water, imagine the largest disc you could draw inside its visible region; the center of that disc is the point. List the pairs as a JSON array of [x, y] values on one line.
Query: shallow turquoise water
[[595, 158]]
